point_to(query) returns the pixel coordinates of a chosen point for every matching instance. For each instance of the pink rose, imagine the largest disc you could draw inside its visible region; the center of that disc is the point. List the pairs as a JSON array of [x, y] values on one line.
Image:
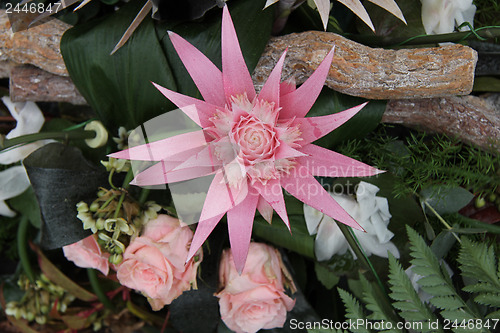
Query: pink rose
[[255, 299], [154, 263], [87, 253]]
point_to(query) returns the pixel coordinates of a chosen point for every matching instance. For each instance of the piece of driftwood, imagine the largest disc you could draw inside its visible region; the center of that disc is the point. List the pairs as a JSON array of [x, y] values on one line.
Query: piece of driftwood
[[28, 83], [372, 73], [470, 118], [357, 69], [38, 46]]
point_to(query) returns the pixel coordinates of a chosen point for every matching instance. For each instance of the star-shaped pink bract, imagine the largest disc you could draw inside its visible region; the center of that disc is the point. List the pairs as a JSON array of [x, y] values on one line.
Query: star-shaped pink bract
[[255, 145]]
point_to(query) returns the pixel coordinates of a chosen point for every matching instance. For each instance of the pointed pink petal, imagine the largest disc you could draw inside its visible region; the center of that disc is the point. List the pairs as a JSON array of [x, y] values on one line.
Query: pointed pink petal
[[206, 76], [221, 197], [204, 158], [285, 151], [327, 163], [313, 128], [302, 185], [265, 209], [273, 194], [287, 86], [159, 174], [203, 230], [240, 223], [162, 149], [271, 90], [236, 78], [199, 111], [299, 102]]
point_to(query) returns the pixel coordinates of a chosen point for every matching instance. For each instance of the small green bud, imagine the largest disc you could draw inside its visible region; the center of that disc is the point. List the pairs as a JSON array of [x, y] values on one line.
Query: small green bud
[[94, 206], [480, 202], [492, 197], [30, 316], [41, 320], [101, 193], [115, 259], [82, 207], [99, 223]]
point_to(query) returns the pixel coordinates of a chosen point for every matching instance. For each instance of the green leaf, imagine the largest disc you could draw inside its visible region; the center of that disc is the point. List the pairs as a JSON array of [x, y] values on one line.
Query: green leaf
[[478, 260], [354, 311], [28, 205], [277, 233], [486, 84], [118, 87], [325, 276], [445, 199], [409, 305], [365, 121]]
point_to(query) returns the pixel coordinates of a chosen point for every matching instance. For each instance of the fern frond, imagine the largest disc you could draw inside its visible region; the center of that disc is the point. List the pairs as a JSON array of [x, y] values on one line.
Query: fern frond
[[478, 261], [353, 309], [407, 301], [374, 304], [437, 282]]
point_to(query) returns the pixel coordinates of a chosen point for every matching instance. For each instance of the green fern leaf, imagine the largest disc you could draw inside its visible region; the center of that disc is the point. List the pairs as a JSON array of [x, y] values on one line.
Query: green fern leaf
[[445, 296], [491, 299], [478, 261], [447, 302], [353, 309], [373, 304], [410, 307]]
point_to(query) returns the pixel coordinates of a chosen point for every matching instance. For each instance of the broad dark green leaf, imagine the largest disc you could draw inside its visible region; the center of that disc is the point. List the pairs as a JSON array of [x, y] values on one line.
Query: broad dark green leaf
[[362, 123], [28, 205], [326, 276], [118, 87], [445, 199], [277, 233]]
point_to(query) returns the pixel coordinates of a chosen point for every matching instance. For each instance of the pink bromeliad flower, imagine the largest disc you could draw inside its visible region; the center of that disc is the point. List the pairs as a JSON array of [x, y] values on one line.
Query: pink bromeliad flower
[[253, 144]]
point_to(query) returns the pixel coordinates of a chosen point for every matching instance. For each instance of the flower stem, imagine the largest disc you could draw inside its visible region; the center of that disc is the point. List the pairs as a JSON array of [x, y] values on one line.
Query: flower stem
[[22, 248], [94, 282], [143, 196], [63, 135], [443, 221], [360, 253]]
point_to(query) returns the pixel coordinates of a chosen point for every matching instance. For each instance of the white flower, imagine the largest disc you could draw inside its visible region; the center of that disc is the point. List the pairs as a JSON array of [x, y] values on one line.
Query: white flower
[[14, 180], [370, 211], [442, 16]]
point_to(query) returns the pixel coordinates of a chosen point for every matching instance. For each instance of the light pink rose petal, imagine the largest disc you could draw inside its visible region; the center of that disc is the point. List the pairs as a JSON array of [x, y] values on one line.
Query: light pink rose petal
[[157, 151], [313, 128], [299, 102], [206, 76], [237, 79], [304, 187], [273, 195], [199, 111], [327, 163], [240, 223], [87, 253], [271, 90]]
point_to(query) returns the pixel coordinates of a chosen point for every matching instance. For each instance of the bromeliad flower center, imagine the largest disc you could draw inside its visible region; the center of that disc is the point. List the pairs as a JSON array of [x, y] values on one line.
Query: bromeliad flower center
[[248, 134]]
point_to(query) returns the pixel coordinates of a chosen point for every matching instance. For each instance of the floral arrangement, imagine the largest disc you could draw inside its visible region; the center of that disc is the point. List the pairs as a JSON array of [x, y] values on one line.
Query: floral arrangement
[[152, 208]]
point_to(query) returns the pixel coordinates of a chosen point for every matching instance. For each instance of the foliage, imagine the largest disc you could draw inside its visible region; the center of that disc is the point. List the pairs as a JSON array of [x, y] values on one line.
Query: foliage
[[448, 304], [420, 160]]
